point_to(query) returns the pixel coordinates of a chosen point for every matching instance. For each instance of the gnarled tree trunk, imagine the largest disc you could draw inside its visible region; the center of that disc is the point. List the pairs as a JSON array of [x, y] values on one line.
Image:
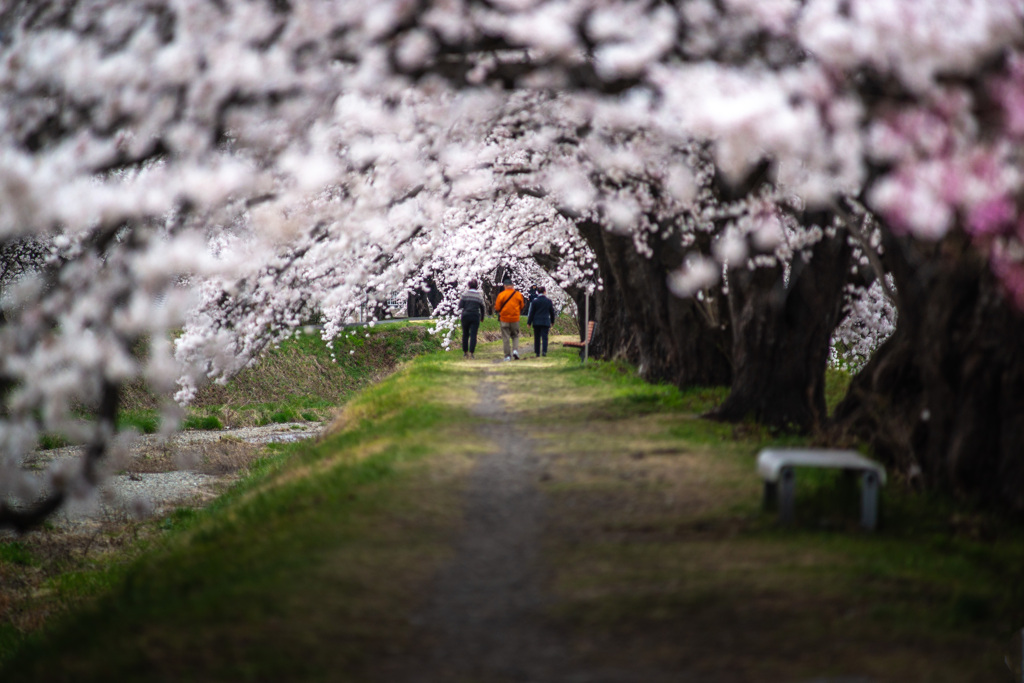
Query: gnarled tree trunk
[[945, 394], [781, 333], [670, 339]]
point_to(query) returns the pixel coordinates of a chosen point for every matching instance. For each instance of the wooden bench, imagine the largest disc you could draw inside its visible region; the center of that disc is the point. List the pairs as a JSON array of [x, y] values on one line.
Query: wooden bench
[[591, 326], [776, 467]]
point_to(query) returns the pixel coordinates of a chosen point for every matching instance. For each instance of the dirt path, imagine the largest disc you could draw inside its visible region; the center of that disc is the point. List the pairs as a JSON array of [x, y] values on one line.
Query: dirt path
[[486, 620], [485, 611]]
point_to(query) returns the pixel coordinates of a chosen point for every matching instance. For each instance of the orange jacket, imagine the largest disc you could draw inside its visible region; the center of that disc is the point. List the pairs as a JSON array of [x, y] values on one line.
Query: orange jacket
[[510, 311]]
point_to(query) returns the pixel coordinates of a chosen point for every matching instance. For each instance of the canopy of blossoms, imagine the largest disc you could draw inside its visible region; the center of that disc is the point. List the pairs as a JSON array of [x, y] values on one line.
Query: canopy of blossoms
[[233, 167]]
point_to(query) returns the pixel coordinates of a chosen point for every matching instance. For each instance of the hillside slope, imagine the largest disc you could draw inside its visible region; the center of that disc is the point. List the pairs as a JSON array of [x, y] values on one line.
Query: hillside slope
[[302, 378]]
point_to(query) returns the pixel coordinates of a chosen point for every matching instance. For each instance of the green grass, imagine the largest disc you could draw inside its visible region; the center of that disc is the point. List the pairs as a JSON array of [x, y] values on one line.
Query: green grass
[[490, 324], [145, 421], [665, 544], [303, 538], [299, 381], [655, 549], [304, 375], [50, 441], [837, 381], [565, 324], [278, 416], [202, 422], [14, 552], [301, 378], [208, 422]]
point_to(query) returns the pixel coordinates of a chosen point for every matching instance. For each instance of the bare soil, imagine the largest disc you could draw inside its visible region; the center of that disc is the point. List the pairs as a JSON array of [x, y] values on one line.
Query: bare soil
[[489, 615]]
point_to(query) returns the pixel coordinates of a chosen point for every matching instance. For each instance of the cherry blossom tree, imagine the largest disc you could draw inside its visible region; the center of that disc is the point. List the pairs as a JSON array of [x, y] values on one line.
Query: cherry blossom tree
[[157, 149], [236, 167], [662, 220], [914, 108]]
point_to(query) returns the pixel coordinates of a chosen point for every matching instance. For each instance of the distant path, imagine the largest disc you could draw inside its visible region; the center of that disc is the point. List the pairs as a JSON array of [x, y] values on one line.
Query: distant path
[[485, 621]]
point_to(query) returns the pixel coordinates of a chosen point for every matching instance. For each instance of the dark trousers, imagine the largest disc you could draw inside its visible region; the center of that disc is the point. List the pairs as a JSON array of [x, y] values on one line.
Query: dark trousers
[[469, 328], [540, 332]]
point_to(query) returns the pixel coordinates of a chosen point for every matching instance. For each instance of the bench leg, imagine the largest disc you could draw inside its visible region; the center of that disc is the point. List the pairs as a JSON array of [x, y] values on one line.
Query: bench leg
[[869, 501], [771, 495], [787, 494]]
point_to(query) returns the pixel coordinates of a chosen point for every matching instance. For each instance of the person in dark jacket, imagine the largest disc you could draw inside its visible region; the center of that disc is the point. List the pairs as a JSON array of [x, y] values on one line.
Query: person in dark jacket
[[541, 317], [531, 296], [472, 306]]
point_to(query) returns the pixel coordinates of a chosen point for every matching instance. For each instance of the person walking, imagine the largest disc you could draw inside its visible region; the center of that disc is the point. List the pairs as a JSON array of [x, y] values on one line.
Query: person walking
[[541, 317], [509, 306], [531, 294], [473, 308]]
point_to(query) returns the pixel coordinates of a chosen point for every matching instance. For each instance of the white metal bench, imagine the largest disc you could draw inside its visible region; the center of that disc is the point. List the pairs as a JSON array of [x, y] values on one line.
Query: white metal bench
[[776, 467]]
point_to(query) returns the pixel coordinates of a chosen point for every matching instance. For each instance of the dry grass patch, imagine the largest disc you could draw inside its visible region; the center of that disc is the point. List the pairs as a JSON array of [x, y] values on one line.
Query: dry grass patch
[[226, 455], [29, 598]]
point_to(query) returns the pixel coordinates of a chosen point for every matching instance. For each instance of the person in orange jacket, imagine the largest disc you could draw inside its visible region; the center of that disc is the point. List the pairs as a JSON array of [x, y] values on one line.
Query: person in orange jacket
[[509, 306]]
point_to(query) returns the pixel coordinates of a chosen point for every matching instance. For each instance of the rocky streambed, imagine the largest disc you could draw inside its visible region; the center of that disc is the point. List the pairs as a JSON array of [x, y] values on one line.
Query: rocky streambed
[[190, 468]]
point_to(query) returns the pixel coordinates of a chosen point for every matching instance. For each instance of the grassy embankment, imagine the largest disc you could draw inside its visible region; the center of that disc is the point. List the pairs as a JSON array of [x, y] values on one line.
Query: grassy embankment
[[53, 570], [300, 381], [658, 552], [296, 381], [318, 544]]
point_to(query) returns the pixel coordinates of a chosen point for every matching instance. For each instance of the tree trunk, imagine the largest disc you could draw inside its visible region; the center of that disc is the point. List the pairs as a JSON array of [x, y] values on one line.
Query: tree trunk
[[781, 334], [944, 396], [421, 303], [614, 336], [680, 341]]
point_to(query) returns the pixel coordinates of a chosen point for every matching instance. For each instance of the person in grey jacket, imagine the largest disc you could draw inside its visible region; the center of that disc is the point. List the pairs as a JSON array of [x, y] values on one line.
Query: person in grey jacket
[[472, 307], [541, 317]]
